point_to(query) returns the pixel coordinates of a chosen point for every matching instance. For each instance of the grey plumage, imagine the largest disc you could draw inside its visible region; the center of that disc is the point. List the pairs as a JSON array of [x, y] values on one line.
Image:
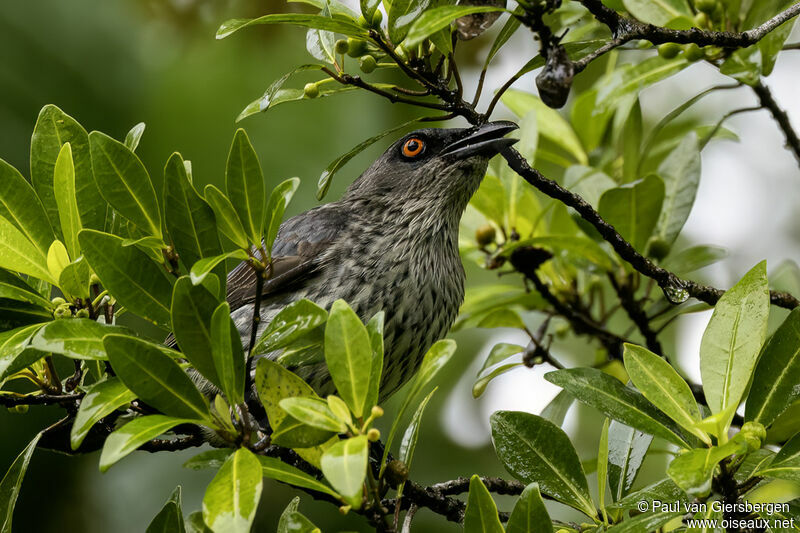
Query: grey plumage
[[391, 244]]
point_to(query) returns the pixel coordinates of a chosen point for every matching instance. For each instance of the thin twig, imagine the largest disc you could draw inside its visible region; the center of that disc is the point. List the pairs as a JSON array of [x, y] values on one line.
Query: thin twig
[[780, 116]]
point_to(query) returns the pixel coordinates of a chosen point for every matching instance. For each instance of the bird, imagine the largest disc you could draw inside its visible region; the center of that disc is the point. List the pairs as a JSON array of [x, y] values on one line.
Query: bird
[[389, 244]]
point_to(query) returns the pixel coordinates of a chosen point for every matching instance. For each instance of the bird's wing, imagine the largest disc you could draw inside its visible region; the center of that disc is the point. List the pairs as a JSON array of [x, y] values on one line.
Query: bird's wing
[[300, 243]]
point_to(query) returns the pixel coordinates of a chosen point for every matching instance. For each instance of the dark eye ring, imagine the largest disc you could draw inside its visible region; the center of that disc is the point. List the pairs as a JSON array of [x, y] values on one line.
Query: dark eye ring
[[413, 147]]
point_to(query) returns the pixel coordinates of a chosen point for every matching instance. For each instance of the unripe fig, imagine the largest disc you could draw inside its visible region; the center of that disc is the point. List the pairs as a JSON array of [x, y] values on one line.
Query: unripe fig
[[82, 313], [377, 411], [367, 64], [693, 52], [373, 435], [658, 248], [705, 6], [669, 50], [356, 47], [702, 21], [485, 235], [341, 47], [311, 90], [396, 473], [58, 301]]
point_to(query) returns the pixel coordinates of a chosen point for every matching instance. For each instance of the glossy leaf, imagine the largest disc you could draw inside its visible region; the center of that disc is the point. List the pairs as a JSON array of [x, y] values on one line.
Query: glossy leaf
[[615, 400], [508, 29], [77, 338], [208, 264], [309, 21], [786, 464], [232, 497], [633, 209], [208, 459], [191, 311], [664, 491], [557, 409], [660, 383], [133, 136], [11, 484], [479, 387], [129, 274], [66, 200], [530, 514], [293, 433], [320, 43], [658, 12], [633, 78], [534, 449], [348, 354], [14, 287], [693, 471], [297, 523], [313, 412], [375, 329], [155, 378], [602, 469], [409, 441], [124, 182], [681, 174], [694, 258], [170, 518], [627, 448], [733, 339], [777, 373], [499, 353], [480, 515], [227, 353], [244, 183], [19, 254], [292, 322], [433, 20], [189, 219], [20, 206], [644, 522], [228, 221], [279, 199], [275, 93], [401, 15], [54, 128], [13, 342], [133, 434], [551, 124], [276, 469], [195, 524], [102, 399], [345, 467], [57, 259]]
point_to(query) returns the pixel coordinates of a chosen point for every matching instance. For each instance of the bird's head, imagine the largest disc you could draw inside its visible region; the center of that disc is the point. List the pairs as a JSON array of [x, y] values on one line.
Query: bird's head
[[438, 168]]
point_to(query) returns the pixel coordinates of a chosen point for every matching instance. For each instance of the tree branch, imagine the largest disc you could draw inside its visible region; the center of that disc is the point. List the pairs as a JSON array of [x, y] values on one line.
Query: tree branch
[[668, 281], [780, 116], [637, 315]]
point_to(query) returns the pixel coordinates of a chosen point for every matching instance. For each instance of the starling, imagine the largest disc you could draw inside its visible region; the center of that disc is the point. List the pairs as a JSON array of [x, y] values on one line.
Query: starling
[[390, 244]]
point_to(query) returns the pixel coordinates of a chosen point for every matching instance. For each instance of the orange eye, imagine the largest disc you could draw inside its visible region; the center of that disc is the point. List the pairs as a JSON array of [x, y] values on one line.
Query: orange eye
[[413, 147]]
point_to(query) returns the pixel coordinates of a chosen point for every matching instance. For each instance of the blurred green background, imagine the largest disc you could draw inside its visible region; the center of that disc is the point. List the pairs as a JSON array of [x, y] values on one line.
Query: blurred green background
[[115, 63]]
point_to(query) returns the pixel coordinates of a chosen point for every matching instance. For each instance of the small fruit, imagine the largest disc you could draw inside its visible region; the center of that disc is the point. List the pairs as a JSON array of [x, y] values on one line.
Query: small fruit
[[341, 47], [485, 235], [755, 429], [373, 435], [693, 52], [311, 90], [367, 64], [377, 411], [62, 311], [702, 21], [705, 6], [396, 473], [356, 47], [82, 313], [58, 301], [669, 50], [658, 248]]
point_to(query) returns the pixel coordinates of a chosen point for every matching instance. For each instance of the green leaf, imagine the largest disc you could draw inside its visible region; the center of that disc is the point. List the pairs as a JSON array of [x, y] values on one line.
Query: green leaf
[[11, 484], [291, 323], [293, 433], [627, 448], [130, 276], [54, 128], [658, 12], [13, 344], [777, 374], [345, 467], [228, 221], [313, 412], [534, 449], [733, 339], [375, 328], [434, 360], [479, 387], [133, 434], [663, 491], [508, 29], [348, 354], [190, 220], [228, 355], [102, 399], [786, 464], [693, 471], [551, 124], [602, 469], [402, 14], [134, 136], [57, 259], [192, 308], [278, 201], [661, 384], [170, 518], [499, 353], [276, 469], [273, 384], [66, 200], [681, 174], [633, 78], [324, 182], [17, 253], [15, 288], [297, 523], [244, 183], [557, 409], [433, 20], [368, 8], [409, 441], [319, 43], [480, 515], [20, 206], [208, 459], [77, 338], [155, 378], [206, 265], [195, 523], [530, 514], [271, 96], [577, 248], [74, 279], [633, 209], [124, 182], [309, 21], [615, 400], [694, 258], [644, 522], [232, 497]]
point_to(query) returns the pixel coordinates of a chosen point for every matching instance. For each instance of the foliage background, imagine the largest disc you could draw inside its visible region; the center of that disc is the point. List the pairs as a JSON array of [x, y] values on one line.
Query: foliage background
[[113, 64]]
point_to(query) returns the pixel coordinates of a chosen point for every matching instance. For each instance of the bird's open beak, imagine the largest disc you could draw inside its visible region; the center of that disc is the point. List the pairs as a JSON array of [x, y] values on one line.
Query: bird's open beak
[[486, 140]]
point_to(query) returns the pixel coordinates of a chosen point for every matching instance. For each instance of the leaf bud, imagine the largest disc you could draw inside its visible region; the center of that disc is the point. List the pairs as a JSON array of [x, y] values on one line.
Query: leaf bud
[[373, 435], [311, 90], [377, 411], [367, 64]]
